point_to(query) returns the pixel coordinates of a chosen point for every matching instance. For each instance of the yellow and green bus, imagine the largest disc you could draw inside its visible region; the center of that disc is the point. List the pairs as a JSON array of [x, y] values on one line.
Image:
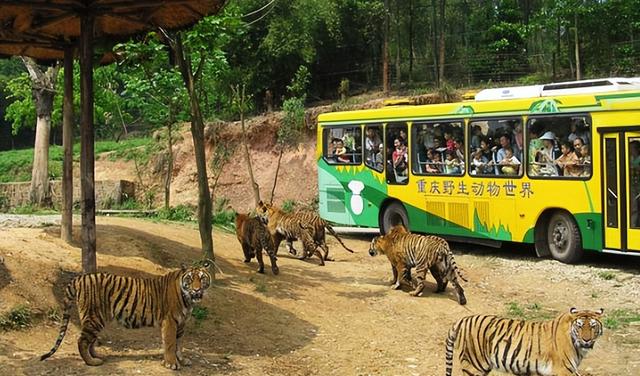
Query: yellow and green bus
[[557, 166]]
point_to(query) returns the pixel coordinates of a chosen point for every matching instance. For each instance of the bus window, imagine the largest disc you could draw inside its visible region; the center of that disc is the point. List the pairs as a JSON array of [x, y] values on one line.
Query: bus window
[[438, 148], [343, 145], [397, 156], [373, 147], [559, 146], [495, 147], [634, 183]]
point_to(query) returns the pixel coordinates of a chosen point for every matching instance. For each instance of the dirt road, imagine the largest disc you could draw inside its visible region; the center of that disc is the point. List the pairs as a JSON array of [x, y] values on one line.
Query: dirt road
[[341, 319]]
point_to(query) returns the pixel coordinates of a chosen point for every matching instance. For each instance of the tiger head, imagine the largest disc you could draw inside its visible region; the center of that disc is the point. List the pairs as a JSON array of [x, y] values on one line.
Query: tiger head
[[265, 211], [586, 327], [378, 245], [195, 280]]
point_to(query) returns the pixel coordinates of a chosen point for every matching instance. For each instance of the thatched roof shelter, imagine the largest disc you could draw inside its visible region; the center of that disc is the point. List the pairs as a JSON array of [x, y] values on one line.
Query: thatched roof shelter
[[50, 30], [43, 28]]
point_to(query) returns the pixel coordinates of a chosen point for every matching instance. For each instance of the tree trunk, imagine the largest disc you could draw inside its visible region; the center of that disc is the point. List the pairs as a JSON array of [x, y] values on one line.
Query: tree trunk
[[247, 158], [385, 50], [434, 40], [577, 45], [87, 147], [275, 179], [66, 224], [167, 179], [410, 41], [43, 92], [398, 50], [197, 133], [442, 50]]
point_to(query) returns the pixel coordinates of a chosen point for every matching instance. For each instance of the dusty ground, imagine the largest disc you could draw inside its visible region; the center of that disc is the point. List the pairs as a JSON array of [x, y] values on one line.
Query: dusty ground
[[340, 319]]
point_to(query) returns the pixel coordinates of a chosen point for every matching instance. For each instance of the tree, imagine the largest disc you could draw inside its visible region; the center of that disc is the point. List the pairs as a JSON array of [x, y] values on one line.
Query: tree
[[43, 89], [242, 104]]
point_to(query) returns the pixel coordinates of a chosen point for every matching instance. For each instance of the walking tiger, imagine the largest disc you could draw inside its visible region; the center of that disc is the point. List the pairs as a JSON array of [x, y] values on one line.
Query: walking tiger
[[544, 348], [134, 302]]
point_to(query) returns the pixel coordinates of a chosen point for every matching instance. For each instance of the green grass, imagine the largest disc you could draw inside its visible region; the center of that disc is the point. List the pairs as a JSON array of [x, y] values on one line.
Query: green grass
[[533, 311], [607, 276], [15, 165], [19, 317], [31, 209], [619, 318]]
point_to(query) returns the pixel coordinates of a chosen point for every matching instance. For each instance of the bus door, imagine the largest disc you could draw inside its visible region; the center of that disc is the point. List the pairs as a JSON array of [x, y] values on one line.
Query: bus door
[[621, 183]]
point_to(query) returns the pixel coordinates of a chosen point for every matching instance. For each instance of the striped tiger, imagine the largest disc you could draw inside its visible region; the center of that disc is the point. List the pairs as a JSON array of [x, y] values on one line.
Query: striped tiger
[[406, 250], [254, 236], [545, 348], [305, 226], [134, 302]]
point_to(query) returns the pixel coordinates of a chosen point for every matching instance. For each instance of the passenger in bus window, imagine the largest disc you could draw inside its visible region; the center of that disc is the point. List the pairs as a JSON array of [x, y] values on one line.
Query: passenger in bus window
[[546, 156], [425, 137], [509, 165], [341, 152], [400, 157], [476, 136], [460, 149], [480, 164], [435, 167], [578, 143], [505, 143], [485, 150], [452, 165], [371, 144], [403, 137], [450, 143], [518, 138], [568, 162], [379, 158], [579, 130], [584, 160]]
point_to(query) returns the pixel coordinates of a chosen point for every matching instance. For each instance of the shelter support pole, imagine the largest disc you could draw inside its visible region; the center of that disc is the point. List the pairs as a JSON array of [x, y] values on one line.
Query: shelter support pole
[[66, 227], [87, 176]]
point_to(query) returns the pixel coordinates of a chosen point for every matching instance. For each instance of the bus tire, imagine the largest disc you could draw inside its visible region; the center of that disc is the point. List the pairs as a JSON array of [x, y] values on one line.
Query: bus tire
[[393, 214], [563, 238]]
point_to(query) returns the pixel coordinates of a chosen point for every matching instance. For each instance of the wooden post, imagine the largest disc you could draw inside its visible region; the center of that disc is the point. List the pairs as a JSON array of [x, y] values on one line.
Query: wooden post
[[87, 178], [67, 144]]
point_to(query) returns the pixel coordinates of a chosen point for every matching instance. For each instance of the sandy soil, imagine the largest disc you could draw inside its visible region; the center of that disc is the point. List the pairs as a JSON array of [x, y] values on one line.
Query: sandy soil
[[340, 319]]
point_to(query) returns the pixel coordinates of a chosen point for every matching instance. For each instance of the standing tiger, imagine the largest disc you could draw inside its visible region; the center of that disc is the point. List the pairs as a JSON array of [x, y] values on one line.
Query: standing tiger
[[544, 348], [305, 226], [254, 236], [406, 250], [134, 302]]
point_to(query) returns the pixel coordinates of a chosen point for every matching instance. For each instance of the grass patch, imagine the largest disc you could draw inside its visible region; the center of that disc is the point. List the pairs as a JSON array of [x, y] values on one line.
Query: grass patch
[[15, 165], [289, 206], [200, 314], [261, 286], [607, 276], [533, 311], [31, 209], [620, 318], [180, 213], [19, 317]]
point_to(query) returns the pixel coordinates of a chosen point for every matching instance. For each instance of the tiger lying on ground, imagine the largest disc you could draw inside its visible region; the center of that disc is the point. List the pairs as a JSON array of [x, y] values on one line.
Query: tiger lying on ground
[[254, 236], [406, 250], [135, 302], [544, 348], [305, 226]]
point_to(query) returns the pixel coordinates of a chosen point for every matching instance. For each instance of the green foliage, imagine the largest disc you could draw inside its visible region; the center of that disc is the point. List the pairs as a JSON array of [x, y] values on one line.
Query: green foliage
[[200, 313], [343, 89], [180, 213], [31, 209], [620, 318], [300, 83], [22, 111], [289, 206], [223, 215], [19, 317], [293, 121]]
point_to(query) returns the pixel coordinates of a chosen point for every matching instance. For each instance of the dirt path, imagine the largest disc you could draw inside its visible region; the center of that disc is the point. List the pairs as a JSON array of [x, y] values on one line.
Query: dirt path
[[340, 319]]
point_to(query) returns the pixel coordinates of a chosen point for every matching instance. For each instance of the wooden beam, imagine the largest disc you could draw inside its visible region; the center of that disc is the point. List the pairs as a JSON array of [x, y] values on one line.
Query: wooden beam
[[46, 22], [41, 5], [87, 159], [66, 226]]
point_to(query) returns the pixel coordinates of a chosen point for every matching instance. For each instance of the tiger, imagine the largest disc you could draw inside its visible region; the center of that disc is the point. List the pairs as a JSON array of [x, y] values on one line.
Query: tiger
[[424, 252], [545, 348], [254, 236], [305, 226], [134, 302]]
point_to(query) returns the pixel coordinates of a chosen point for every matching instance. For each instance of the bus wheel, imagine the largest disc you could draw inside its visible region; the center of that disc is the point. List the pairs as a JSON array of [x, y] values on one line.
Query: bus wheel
[[563, 238], [394, 214]]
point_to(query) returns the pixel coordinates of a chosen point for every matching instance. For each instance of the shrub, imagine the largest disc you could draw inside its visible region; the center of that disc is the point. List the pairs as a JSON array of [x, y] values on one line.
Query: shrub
[[17, 318]]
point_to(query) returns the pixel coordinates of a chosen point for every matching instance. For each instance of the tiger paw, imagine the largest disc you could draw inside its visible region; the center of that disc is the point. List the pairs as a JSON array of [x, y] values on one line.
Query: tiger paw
[[185, 362], [395, 286], [171, 365], [261, 270], [275, 270], [416, 292]]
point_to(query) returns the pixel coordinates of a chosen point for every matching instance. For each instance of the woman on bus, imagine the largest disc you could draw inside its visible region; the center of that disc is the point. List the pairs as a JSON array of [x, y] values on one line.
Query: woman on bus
[[546, 156], [568, 161]]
